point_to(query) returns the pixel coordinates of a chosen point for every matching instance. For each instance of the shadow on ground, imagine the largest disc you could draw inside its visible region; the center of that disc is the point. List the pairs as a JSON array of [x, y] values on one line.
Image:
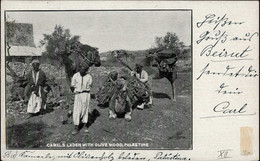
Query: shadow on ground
[[27, 135], [161, 95], [46, 111], [92, 117]]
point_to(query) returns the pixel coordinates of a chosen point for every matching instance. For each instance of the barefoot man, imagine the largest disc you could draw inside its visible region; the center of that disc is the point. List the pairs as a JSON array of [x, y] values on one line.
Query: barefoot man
[[36, 90]]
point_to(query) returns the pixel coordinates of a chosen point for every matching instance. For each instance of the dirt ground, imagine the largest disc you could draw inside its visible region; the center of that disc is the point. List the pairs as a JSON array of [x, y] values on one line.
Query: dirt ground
[[167, 126]]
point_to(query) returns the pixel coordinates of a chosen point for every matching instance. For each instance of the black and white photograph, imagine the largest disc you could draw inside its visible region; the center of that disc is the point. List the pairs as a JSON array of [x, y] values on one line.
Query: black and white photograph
[[98, 79]]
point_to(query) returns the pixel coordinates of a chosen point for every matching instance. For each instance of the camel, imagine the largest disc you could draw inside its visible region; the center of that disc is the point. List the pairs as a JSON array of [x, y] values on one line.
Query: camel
[[166, 67]]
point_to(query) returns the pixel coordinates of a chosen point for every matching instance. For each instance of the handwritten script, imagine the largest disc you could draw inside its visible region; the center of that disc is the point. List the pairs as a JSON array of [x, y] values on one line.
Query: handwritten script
[[97, 156], [218, 39]]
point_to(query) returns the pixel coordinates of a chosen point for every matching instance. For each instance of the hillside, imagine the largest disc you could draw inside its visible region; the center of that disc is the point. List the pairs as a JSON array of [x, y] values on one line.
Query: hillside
[[139, 56]]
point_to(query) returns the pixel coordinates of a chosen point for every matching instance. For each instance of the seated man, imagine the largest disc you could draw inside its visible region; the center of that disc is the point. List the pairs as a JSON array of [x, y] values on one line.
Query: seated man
[[142, 75]]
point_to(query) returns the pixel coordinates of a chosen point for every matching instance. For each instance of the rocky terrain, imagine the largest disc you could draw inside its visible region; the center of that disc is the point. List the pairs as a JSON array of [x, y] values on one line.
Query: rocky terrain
[[168, 125]]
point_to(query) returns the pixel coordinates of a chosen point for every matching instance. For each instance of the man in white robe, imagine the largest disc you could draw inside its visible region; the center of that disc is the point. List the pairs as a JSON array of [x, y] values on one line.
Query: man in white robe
[[81, 84]]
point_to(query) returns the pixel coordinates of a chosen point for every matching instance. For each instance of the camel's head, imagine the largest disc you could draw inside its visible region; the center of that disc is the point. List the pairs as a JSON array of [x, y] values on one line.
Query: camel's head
[[96, 59], [152, 58]]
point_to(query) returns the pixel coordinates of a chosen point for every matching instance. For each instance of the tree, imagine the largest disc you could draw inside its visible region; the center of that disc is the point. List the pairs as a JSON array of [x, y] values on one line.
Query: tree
[[187, 52], [66, 50], [169, 41]]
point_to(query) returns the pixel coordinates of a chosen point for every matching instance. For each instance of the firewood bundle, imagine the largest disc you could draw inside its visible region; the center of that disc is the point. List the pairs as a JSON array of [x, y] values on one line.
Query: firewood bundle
[[135, 89], [166, 59]]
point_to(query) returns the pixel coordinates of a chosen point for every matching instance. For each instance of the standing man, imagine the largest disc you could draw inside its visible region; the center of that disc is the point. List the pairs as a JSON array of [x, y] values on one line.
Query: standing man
[[36, 89], [142, 75], [81, 84]]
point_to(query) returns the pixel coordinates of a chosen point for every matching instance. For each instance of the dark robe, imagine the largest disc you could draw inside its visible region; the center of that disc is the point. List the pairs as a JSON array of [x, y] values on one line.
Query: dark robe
[[31, 86]]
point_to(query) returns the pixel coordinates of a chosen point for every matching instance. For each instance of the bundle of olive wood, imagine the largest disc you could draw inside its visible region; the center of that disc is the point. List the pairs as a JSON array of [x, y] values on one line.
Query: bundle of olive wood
[[135, 89]]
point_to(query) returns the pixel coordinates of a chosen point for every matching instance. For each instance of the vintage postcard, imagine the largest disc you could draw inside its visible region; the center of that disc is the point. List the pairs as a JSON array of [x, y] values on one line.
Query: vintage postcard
[[129, 80]]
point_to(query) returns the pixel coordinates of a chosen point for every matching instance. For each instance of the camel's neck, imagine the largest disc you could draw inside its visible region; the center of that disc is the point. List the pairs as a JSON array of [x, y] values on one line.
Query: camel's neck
[[69, 67]]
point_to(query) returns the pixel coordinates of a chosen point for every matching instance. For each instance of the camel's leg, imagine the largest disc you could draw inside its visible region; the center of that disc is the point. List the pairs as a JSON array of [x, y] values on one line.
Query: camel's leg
[[170, 77], [173, 90]]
